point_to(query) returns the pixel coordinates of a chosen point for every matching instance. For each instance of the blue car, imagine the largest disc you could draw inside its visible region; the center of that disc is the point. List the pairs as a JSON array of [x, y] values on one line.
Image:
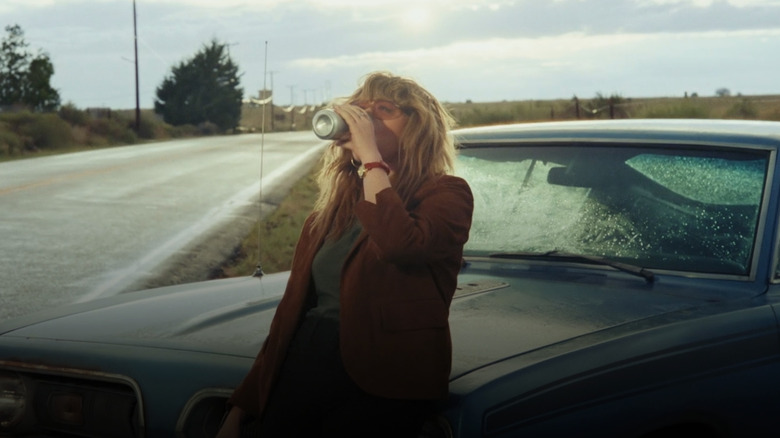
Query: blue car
[[621, 280]]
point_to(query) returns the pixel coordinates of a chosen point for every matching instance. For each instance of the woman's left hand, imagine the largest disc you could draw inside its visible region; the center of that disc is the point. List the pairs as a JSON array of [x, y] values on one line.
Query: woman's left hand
[[362, 137]]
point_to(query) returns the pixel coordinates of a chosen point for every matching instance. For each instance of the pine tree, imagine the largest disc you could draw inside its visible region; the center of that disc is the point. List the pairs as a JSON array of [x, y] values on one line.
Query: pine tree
[[203, 89]]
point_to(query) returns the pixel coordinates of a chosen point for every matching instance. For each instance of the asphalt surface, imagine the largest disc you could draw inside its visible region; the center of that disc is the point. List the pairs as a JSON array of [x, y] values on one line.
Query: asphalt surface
[[82, 226]]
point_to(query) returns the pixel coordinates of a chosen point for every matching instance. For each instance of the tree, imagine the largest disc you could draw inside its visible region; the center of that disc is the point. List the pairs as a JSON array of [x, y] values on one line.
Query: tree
[[25, 79], [723, 92], [202, 89]]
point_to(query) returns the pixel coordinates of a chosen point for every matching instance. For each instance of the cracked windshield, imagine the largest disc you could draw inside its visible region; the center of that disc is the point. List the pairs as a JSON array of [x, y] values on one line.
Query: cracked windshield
[[673, 209]]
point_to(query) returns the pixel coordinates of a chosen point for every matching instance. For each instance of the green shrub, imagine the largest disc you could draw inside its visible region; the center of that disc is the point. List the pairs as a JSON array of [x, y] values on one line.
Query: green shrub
[[150, 128], [48, 131], [182, 131], [10, 143], [113, 131], [16, 120], [36, 131], [208, 128], [73, 115]]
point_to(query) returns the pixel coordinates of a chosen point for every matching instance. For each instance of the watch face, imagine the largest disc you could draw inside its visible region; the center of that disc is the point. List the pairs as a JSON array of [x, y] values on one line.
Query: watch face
[[361, 171]]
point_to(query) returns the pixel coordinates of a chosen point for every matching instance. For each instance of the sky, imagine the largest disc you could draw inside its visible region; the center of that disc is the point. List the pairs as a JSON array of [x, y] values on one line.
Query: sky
[[310, 51]]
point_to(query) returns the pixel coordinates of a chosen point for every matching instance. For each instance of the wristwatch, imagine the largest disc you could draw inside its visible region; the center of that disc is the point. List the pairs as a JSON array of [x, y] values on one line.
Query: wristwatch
[[365, 167]]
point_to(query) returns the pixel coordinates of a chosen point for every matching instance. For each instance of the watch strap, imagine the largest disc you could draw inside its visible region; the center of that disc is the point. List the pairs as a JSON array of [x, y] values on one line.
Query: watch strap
[[365, 167]]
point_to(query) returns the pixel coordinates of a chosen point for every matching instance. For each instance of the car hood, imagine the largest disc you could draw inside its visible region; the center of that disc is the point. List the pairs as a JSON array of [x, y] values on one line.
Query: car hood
[[491, 318], [228, 316], [497, 317]]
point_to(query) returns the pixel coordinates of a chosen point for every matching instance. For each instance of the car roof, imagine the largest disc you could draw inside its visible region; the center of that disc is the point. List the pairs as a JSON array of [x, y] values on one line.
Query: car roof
[[765, 133]]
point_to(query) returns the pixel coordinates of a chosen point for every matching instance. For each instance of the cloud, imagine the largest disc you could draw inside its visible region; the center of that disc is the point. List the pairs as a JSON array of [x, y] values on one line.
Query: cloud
[[500, 50], [632, 64], [8, 6], [709, 3], [267, 6], [347, 4]]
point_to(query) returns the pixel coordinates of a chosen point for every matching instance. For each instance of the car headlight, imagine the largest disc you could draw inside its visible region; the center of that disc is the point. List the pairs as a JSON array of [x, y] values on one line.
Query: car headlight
[[13, 400]]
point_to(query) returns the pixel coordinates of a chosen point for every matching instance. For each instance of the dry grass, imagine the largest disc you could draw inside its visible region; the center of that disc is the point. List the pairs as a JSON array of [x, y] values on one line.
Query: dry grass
[[272, 240]]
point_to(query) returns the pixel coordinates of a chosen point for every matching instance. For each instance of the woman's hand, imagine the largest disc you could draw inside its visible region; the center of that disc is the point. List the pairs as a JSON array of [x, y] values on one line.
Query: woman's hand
[[362, 138], [363, 144], [231, 427]]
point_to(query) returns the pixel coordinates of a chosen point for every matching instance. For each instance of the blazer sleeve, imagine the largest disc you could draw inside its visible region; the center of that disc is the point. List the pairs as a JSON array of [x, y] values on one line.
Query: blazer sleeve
[[435, 224]]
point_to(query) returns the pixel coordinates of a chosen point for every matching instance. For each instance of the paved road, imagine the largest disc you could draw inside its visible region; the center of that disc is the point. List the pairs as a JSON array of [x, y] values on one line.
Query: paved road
[[81, 226]]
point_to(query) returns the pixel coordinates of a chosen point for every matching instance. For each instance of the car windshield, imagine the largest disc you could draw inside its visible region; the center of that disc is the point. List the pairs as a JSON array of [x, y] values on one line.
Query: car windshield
[[674, 207]]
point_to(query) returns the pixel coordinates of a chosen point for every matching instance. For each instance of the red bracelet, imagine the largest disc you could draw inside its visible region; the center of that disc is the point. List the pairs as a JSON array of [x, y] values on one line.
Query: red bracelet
[[365, 167]]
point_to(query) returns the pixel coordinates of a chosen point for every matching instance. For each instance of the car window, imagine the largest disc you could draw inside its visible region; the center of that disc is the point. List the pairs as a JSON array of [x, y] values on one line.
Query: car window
[[674, 208]]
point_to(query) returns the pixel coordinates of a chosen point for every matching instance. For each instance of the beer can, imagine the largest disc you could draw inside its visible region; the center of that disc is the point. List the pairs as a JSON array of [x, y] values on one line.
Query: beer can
[[328, 125]]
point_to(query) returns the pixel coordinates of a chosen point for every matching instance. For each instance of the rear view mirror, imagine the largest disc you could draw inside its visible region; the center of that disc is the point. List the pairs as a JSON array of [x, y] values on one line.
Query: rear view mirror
[[579, 177]]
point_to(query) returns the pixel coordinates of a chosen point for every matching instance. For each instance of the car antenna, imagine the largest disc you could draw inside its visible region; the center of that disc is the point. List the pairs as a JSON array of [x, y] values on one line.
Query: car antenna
[[259, 268]]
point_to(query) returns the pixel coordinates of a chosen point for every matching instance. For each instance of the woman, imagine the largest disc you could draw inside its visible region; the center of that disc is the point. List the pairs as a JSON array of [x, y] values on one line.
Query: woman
[[360, 343]]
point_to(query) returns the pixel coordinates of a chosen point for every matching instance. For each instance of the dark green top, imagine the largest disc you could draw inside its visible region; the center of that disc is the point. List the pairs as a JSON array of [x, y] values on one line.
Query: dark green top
[[326, 272]]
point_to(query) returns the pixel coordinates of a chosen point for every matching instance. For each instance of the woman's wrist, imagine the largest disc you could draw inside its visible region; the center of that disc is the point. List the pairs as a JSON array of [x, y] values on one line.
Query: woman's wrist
[[365, 168], [370, 157]]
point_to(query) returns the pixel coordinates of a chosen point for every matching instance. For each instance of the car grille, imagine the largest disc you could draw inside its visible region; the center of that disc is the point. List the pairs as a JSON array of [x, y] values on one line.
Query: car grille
[[76, 404]]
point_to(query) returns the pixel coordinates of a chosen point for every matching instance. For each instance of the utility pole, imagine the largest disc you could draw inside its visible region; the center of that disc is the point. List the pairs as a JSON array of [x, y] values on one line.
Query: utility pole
[[271, 74], [137, 93], [292, 107]]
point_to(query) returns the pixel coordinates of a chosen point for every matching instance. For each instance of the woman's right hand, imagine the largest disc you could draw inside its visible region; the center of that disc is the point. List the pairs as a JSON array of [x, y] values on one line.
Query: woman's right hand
[[361, 140], [231, 427]]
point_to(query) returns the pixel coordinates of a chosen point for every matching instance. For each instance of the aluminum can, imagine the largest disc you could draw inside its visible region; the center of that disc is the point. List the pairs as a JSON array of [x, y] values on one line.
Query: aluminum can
[[328, 125]]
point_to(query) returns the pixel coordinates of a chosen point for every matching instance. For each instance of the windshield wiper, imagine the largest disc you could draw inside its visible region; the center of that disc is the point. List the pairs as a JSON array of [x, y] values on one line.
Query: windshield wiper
[[580, 258]]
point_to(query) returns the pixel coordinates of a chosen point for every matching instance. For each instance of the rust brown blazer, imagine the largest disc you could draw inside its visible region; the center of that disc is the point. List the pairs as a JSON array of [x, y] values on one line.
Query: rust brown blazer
[[396, 286]]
